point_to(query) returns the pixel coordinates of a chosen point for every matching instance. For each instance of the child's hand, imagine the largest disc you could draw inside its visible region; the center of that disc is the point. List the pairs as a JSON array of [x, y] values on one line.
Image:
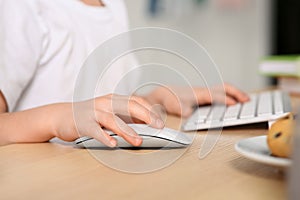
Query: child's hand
[[181, 100], [109, 112]]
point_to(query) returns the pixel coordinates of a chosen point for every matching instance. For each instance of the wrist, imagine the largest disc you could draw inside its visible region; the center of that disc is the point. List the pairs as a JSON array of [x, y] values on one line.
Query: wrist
[[47, 120], [33, 125], [61, 120]]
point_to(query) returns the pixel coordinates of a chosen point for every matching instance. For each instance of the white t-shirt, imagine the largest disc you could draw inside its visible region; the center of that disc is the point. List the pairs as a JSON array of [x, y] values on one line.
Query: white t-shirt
[[44, 43]]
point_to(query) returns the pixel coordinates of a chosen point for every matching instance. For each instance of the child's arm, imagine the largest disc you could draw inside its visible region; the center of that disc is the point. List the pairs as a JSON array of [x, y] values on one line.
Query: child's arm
[[28, 126], [58, 120]]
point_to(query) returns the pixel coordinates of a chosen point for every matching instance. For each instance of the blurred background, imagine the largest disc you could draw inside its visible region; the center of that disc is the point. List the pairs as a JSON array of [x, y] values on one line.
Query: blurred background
[[236, 33]]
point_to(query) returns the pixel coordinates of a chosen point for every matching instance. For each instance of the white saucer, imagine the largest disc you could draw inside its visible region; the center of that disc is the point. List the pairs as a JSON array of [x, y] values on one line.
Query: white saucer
[[256, 149]]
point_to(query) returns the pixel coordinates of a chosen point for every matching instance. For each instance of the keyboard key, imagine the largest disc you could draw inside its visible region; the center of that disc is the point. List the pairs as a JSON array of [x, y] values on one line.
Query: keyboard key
[[200, 114], [249, 108], [193, 123], [232, 112], [264, 104], [216, 113], [286, 102], [203, 112], [278, 102]]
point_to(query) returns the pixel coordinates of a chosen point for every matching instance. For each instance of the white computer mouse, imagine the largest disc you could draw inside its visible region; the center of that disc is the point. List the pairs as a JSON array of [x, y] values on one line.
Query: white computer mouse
[[152, 138]]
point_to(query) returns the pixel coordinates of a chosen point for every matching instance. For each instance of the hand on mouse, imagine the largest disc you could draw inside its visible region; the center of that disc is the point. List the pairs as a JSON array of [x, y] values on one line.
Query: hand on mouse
[[92, 117], [68, 121], [181, 100]]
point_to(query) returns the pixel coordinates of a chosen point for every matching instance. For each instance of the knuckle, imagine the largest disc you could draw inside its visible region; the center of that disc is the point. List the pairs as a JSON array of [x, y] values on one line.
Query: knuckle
[[134, 98], [106, 118], [110, 95], [142, 101], [132, 103]]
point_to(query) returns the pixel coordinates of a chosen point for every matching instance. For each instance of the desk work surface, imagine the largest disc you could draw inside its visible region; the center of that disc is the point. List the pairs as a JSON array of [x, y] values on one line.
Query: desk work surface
[[56, 171]]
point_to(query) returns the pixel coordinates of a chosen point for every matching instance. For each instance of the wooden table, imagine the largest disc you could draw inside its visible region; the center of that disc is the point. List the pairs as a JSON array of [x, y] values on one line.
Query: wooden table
[[55, 171]]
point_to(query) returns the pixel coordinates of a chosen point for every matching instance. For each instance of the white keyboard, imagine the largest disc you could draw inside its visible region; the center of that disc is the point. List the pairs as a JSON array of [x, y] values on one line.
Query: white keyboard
[[262, 107]]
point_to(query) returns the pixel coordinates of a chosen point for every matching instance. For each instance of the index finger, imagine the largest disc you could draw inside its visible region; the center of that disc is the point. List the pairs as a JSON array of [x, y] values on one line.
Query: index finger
[[117, 126]]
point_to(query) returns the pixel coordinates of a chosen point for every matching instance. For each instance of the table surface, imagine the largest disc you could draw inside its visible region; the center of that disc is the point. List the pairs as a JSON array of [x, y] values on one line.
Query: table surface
[[52, 170]]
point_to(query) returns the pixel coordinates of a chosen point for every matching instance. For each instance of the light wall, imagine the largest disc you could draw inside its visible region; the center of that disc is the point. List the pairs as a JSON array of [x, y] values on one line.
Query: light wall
[[236, 39]]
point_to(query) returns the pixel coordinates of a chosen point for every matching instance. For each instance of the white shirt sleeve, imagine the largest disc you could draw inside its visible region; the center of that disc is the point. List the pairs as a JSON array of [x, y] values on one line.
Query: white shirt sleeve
[[21, 40]]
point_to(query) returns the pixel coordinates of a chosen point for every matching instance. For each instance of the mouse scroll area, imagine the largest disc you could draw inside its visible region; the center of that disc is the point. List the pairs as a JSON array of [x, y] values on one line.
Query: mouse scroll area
[[152, 138], [148, 142]]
